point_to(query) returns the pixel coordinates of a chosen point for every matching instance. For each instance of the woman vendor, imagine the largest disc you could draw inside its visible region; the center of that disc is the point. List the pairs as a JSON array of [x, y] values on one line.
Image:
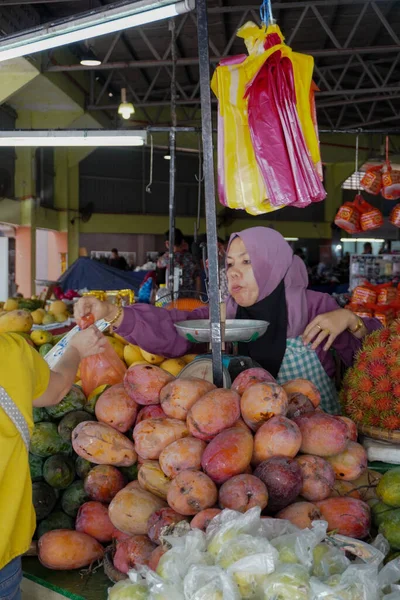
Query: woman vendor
[[266, 282]]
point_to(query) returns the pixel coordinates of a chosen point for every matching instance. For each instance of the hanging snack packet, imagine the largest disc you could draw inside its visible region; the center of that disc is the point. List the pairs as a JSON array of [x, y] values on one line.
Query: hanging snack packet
[[372, 180], [364, 294], [348, 218], [395, 216]]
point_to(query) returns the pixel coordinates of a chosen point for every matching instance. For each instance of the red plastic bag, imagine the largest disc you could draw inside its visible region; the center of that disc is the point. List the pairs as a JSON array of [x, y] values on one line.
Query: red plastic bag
[[101, 369]]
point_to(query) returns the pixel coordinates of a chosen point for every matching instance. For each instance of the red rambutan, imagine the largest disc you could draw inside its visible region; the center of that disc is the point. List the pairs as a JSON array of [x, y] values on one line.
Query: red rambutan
[[390, 421], [377, 353], [392, 359], [396, 390], [362, 367], [375, 420], [377, 369], [362, 356], [365, 385], [383, 385], [383, 335], [357, 414], [394, 344], [383, 402], [368, 401], [395, 327]]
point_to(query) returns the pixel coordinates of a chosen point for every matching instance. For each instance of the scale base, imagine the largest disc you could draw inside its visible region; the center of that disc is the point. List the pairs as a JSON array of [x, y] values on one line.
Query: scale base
[[201, 367]]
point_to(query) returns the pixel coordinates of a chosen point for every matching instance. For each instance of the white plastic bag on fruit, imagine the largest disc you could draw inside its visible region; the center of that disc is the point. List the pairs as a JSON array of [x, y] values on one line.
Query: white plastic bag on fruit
[[389, 575], [328, 561], [133, 588], [299, 547], [288, 582], [228, 525], [358, 582], [272, 528], [209, 583], [365, 553], [186, 551], [160, 589]]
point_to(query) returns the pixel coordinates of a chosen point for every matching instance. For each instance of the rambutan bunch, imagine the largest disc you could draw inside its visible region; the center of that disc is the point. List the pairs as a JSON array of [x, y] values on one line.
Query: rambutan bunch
[[371, 388]]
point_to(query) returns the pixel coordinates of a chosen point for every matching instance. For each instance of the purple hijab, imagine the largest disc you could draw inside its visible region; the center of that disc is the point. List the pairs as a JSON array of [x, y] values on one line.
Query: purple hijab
[[272, 260]]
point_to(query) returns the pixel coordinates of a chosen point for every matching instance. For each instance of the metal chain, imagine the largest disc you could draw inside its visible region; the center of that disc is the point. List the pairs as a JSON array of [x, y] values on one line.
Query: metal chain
[[148, 186]]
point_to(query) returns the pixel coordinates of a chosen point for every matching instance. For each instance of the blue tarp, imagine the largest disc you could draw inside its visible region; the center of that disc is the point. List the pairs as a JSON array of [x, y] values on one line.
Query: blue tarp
[[93, 275]]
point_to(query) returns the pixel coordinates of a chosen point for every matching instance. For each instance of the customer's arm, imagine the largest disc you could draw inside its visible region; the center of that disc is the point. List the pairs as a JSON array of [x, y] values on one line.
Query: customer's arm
[[83, 344]]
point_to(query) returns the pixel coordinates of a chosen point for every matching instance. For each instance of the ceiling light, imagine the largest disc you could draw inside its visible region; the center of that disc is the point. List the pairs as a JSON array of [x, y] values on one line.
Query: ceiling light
[[125, 109], [167, 157], [291, 239], [89, 138], [110, 94], [90, 62], [338, 247], [90, 25], [372, 240]]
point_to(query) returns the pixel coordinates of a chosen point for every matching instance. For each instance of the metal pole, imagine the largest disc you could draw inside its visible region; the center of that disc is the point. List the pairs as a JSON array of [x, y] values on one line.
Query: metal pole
[[209, 187], [172, 163]]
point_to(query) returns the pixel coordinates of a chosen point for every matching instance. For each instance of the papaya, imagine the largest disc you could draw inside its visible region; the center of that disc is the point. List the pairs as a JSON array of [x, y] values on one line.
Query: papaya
[[390, 528], [59, 471], [73, 498], [388, 488], [44, 499], [40, 414], [36, 467], [57, 520], [70, 421], [82, 467], [45, 441], [74, 400]]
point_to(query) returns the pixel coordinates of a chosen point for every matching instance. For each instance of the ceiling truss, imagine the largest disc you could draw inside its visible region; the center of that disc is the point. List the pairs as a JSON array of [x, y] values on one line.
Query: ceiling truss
[[359, 82]]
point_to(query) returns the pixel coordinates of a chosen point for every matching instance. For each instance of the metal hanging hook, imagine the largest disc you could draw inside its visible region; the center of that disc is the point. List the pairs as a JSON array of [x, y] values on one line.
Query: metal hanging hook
[[357, 170], [148, 186]]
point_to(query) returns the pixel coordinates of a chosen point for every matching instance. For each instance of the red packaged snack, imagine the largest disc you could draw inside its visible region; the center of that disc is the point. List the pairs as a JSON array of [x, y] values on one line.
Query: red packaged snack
[[372, 180], [384, 314], [371, 217], [390, 178], [395, 216], [348, 218], [364, 294], [386, 294]]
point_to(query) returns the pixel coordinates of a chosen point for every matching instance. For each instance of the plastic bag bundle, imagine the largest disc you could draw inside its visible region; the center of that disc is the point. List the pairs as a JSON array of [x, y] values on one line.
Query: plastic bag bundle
[[358, 582], [268, 147], [228, 525], [299, 547], [209, 583], [186, 551]]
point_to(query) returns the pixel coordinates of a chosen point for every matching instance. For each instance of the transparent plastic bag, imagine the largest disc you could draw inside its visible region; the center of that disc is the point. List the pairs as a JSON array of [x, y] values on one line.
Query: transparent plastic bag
[[299, 547], [288, 582], [134, 588], [209, 583], [367, 553], [160, 589], [358, 582], [228, 525], [389, 575], [328, 561], [272, 528], [186, 551]]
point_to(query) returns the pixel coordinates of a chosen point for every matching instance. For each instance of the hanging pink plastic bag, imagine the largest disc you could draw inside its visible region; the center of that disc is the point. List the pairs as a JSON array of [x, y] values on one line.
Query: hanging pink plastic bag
[[101, 369]]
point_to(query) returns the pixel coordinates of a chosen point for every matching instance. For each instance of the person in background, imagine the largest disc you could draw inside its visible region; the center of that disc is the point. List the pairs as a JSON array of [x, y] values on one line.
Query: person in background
[[38, 387], [117, 261], [368, 248], [182, 259]]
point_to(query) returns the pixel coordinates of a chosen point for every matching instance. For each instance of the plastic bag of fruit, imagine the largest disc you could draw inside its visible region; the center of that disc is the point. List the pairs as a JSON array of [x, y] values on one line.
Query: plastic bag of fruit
[[101, 369], [358, 582], [228, 525], [389, 577], [134, 588], [209, 583], [186, 551], [299, 547], [288, 582]]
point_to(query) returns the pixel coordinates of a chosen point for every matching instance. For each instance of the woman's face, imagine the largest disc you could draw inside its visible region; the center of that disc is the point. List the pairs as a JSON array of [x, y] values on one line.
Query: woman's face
[[241, 281]]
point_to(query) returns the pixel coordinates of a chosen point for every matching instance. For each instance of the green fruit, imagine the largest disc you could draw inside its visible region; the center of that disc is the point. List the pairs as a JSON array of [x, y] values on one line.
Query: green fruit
[[130, 473], [73, 498], [390, 528], [57, 520], [391, 556], [381, 511], [45, 441], [44, 499], [59, 471], [82, 467], [40, 414], [70, 421], [44, 349], [388, 489], [36, 467], [74, 400], [58, 338]]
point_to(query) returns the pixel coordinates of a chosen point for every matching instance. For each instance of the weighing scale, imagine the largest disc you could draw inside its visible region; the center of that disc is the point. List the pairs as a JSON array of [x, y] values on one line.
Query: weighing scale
[[233, 332]]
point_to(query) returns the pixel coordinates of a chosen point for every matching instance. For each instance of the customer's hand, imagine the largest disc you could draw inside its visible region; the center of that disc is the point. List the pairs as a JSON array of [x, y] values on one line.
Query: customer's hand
[[325, 328], [88, 342], [91, 305]]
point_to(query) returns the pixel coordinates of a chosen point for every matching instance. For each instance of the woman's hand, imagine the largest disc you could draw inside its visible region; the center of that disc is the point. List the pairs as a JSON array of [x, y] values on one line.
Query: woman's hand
[[91, 305], [89, 342], [327, 327]]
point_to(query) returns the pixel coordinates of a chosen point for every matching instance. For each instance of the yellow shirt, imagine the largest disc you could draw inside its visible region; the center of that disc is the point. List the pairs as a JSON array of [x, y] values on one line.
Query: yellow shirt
[[25, 376]]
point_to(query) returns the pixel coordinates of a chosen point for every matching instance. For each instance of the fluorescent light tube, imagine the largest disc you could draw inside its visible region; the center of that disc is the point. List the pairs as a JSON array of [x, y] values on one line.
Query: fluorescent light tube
[[90, 138], [344, 240], [92, 24], [291, 239]]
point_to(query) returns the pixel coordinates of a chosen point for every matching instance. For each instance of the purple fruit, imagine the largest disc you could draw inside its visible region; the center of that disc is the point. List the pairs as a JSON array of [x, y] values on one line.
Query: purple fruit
[[284, 480]]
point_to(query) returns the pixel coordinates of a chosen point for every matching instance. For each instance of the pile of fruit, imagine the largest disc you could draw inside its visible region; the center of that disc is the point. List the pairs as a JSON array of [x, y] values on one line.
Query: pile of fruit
[[371, 389], [134, 459], [19, 315]]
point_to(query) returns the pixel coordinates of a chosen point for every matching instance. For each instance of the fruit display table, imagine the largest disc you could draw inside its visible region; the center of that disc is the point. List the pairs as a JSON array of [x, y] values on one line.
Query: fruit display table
[[68, 584]]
